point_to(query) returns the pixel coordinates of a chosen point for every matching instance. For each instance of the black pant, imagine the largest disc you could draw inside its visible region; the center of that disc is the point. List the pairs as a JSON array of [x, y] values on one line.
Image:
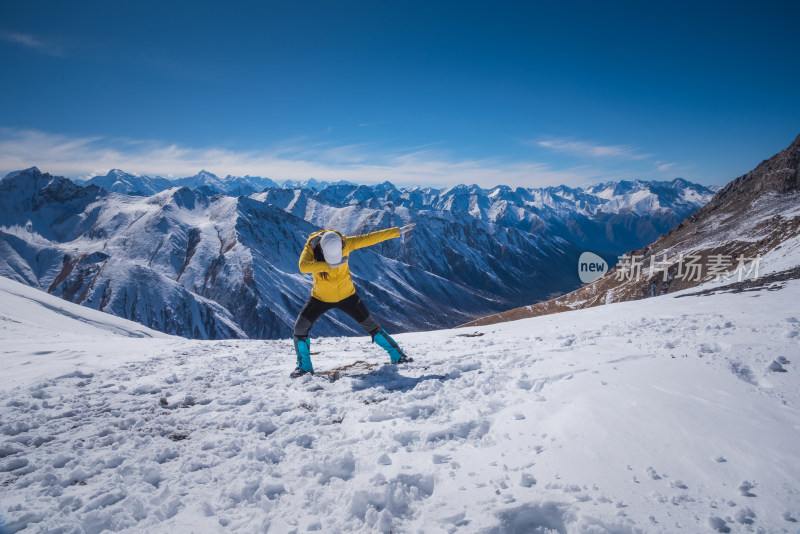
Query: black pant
[[352, 306]]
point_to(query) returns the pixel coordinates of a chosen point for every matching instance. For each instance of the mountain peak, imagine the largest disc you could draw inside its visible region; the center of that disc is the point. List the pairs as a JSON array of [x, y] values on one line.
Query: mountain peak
[[779, 174], [30, 170], [387, 185]]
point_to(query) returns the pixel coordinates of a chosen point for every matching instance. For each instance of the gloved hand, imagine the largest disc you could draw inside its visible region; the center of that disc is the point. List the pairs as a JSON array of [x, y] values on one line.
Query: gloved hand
[[407, 228], [335, 265]]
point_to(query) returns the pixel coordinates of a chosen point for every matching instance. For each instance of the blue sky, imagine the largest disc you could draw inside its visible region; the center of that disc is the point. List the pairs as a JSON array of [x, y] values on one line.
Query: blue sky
[[433, 93]]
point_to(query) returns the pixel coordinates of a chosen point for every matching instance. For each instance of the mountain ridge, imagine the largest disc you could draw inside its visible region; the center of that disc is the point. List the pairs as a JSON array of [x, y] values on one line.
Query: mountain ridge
[[200, 264], [751, 217]]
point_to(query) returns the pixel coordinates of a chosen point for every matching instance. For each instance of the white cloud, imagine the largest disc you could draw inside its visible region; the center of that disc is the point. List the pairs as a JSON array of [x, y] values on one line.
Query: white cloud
[[664, 166], [297, 159], [30, 41], [587, 149]]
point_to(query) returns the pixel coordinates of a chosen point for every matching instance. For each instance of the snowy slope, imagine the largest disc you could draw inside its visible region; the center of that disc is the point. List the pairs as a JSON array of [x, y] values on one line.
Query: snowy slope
[[43, 336], [662, 415]]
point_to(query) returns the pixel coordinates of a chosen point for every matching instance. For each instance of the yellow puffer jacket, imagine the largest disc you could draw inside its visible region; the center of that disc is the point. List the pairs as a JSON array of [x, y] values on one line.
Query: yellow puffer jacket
[[333, 285]]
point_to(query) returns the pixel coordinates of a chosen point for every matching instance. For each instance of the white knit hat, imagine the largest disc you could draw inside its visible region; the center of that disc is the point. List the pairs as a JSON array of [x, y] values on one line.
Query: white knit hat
[[331, 244]]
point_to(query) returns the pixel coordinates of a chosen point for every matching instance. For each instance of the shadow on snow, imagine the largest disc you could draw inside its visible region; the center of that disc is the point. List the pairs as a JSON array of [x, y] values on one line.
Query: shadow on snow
[[388, 378]]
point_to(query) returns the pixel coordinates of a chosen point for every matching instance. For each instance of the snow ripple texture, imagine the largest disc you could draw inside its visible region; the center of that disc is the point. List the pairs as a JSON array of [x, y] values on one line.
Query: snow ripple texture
[[663, 415]]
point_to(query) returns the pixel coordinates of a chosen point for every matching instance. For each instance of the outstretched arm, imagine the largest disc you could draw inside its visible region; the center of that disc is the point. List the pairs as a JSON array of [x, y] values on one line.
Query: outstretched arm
[[365, 240]]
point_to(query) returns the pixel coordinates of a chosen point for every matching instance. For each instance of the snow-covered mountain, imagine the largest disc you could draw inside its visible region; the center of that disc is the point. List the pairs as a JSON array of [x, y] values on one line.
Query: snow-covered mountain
[[211, 184], [118, 181], [638, 214], [755, 217], [312, 183], [663, 415], [203, 265]]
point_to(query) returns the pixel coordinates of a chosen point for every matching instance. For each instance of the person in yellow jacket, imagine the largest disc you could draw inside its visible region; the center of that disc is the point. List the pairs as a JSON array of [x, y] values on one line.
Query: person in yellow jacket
[[325, 255]]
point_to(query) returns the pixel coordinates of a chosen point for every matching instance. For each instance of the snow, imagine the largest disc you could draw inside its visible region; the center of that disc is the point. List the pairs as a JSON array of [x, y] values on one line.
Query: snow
[[44, 336], [783, 257], [638, 202], [662, 415]]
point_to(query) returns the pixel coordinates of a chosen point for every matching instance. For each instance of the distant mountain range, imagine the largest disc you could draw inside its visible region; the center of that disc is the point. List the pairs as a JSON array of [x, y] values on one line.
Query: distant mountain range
[[217, 258], [755, 217], [117, 181]]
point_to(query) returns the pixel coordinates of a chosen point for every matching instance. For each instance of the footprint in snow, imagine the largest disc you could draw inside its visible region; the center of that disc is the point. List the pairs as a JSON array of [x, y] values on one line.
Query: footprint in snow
[[718, 524], [745, 487], [745, 516], [776, 367], [652, 473]]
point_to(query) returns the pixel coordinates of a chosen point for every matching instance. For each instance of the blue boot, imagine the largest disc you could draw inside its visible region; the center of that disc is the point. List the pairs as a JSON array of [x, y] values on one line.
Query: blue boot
[[303, 349], [390, 345]]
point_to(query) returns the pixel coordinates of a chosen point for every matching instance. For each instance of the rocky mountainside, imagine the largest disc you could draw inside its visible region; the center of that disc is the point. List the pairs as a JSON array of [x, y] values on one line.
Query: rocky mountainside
[[207, 265], [746, 230]]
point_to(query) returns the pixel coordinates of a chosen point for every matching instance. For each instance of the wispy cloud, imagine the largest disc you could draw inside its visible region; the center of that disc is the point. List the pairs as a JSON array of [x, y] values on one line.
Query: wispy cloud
[[586, 149], [297, 159], [601, 155], [40, 45], [662, 166]]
